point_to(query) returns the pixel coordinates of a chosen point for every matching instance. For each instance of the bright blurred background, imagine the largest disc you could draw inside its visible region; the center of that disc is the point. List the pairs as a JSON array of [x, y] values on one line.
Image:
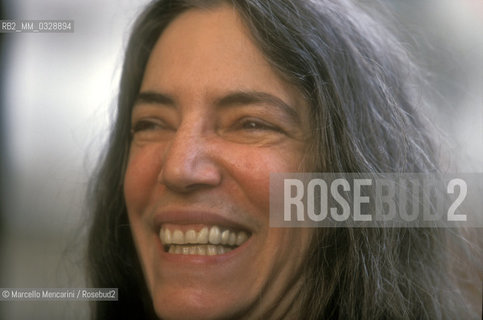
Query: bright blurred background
[[57, 100]]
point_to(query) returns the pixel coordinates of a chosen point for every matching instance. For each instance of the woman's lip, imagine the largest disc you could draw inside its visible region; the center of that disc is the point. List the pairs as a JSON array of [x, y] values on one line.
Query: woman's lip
[[184, 217]]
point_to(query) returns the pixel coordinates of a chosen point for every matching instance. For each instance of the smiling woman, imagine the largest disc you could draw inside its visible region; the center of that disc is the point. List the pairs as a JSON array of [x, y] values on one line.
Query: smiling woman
[[215, 96], [198, 171]]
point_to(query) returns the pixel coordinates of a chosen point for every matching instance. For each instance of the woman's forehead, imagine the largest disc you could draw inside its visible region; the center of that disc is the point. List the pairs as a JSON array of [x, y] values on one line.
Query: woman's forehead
[[209, 52]]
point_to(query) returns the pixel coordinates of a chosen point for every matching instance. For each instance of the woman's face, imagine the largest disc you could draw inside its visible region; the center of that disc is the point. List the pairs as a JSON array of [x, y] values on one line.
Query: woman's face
[[211, 123]]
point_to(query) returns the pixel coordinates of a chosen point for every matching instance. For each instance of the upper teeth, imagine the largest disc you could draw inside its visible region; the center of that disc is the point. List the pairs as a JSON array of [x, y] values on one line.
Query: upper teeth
[[213, 235]]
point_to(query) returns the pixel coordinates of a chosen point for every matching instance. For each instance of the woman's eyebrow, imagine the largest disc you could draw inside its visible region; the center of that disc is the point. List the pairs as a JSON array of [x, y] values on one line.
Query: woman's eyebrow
[[255, 97], [233, 99], [151, 97]]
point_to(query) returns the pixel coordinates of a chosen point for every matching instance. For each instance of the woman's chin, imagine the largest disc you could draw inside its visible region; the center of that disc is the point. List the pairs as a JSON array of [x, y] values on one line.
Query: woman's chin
[[195, 304]]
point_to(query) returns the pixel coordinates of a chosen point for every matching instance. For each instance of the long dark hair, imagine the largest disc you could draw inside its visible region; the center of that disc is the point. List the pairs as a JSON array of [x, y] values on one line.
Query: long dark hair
[[364, 106]]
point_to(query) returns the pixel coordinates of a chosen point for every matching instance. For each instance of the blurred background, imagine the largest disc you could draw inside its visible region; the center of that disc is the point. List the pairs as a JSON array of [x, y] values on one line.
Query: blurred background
[[57, 100]]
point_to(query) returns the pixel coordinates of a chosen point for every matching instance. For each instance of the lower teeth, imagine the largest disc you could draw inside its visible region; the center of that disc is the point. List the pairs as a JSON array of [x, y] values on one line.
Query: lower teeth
[[202, 249]]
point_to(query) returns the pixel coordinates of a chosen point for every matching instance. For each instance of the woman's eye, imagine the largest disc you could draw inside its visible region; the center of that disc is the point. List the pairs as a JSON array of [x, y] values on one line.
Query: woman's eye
[[251, 130], [250, 124], [151, 130], [146, 125]]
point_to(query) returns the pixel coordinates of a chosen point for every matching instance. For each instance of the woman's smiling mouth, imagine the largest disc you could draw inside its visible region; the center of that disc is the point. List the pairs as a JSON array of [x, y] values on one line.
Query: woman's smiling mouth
[[200, 240]]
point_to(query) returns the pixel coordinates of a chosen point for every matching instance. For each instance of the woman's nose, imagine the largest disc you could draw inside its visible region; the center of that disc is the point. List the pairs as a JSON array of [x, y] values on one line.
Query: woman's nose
[[189, 161]]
